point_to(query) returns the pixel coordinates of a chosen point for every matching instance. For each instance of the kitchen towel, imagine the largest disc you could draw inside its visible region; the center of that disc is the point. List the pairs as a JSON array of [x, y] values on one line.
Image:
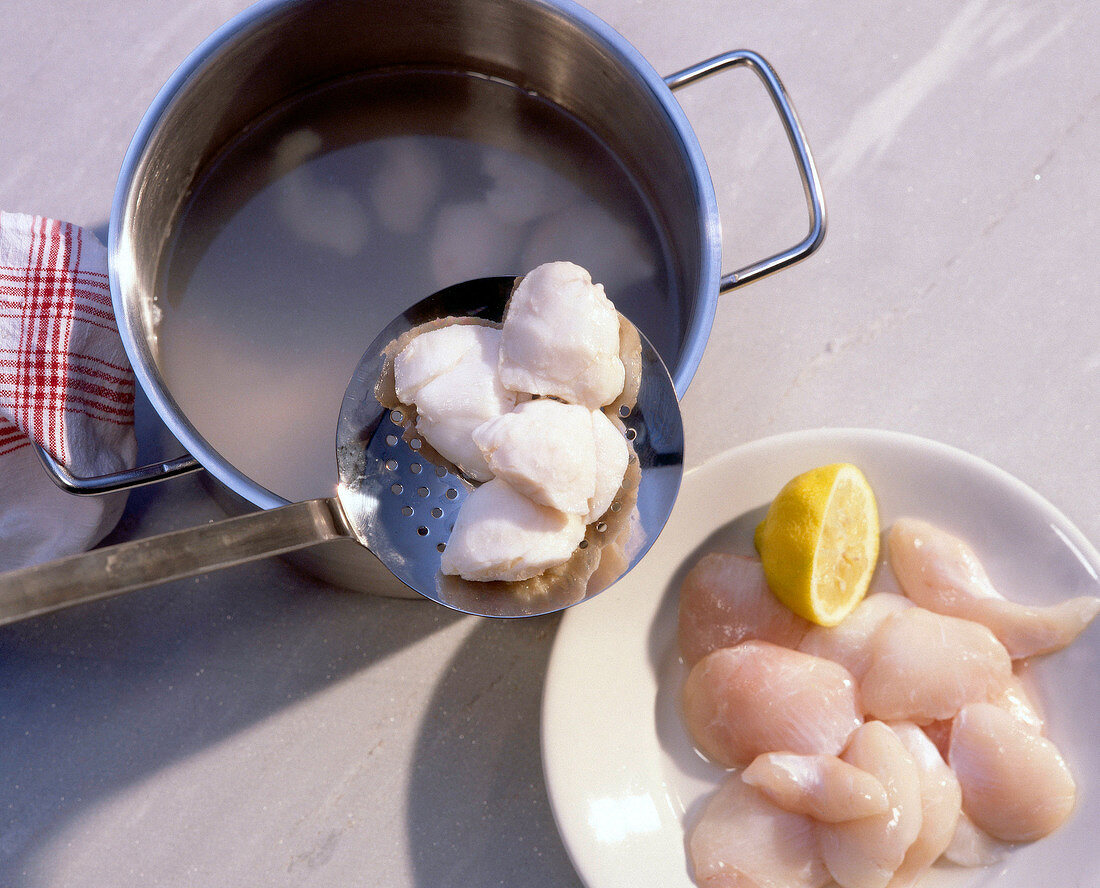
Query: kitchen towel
[[65, 384]]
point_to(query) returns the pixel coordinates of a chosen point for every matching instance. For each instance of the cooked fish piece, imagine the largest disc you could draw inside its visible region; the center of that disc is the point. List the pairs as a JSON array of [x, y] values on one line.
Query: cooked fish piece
[[450, 375], [758, 697], [726, 600], [612, 458], [743, 840], [560, 455], [502, 535], [561, 338], [545, 450], [941, 573]]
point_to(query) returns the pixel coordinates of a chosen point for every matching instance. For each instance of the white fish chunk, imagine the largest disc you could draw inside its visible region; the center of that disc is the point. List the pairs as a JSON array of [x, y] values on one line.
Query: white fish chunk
[[1015, 784], [594, 237], [925, 667], [725, 600], [468, 241], [941, 805], [501, 535], [866, 853], [561, 338], [560, 455], [404, 186], [823, 787], [756, 697], [941, 573], [450, 375], [612, 458], [742, 840], [544, 449], [849, 642]]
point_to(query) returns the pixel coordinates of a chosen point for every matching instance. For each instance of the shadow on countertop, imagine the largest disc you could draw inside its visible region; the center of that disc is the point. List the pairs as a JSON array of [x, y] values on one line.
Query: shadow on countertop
[[489, 821], [97, 698]]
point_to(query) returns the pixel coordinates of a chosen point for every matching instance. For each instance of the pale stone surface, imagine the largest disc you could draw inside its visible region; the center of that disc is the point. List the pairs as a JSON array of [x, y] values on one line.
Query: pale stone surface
[[256, 727]]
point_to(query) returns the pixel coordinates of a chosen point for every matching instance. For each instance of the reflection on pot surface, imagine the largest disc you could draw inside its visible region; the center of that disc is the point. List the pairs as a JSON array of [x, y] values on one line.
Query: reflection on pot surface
[[338, 210]]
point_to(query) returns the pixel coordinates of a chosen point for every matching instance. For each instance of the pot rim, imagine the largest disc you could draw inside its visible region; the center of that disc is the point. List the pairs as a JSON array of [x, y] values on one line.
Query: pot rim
[[702, 307]]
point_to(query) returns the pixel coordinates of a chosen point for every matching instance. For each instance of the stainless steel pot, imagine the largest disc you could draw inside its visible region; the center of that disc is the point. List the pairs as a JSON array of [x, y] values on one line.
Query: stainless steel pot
[[555, 48]]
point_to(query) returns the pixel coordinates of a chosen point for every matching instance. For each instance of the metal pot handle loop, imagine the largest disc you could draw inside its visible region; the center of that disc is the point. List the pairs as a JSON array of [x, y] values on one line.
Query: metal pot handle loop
[[114, 481], [811, 184]]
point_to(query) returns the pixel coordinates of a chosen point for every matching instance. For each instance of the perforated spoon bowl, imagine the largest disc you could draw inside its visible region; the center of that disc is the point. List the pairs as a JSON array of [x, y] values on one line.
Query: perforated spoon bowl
[[391, 500]]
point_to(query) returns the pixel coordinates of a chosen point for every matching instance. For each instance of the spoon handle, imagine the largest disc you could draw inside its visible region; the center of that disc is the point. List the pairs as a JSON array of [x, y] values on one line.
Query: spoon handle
[[111, 570]]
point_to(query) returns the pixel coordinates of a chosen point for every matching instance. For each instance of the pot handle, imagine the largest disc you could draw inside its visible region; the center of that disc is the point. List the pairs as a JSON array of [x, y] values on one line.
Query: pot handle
[[114, 481], [811, 183]]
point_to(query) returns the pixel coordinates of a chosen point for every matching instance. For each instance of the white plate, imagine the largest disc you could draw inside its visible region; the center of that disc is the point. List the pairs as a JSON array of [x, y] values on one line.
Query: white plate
[[622, 776]]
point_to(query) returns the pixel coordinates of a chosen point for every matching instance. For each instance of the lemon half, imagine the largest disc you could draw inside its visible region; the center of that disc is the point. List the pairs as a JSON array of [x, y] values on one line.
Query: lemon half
[[818, 543]]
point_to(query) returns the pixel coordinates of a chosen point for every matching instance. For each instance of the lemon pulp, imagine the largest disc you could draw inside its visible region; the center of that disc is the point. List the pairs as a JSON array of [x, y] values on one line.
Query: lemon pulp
[[819, 542]]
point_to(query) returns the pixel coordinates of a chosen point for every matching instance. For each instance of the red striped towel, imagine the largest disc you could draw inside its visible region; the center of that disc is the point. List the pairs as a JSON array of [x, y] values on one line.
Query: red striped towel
[[65, 383]]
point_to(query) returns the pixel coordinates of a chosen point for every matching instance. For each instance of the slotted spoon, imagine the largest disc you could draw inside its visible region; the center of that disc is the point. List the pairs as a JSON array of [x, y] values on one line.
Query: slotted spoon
[[390, 499]]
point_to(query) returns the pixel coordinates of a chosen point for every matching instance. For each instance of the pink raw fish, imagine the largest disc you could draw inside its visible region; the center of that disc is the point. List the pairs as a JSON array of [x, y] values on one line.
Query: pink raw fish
[[744, 841], [941, 804], [759, 697], [865, 853], [925, 666], [823, 787], [1015, 784], [849, 642], [1016, 699], [941, 573], [726, 600]]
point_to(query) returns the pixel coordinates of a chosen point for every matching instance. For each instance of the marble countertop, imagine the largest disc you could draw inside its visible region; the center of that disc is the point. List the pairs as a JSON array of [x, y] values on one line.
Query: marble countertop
[[257, 727]]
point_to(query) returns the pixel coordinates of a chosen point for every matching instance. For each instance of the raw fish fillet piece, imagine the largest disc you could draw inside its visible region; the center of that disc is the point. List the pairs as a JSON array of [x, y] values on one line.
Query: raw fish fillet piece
[[450, 375], [971, 846], [941, 804], [849, 642], [1015, 784], [726, 600], [926, 666], [865, 853], [501, 535], [561, 338], [759, 697], [1016, 699], [823, 787], [742, 840], [941, 573]]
